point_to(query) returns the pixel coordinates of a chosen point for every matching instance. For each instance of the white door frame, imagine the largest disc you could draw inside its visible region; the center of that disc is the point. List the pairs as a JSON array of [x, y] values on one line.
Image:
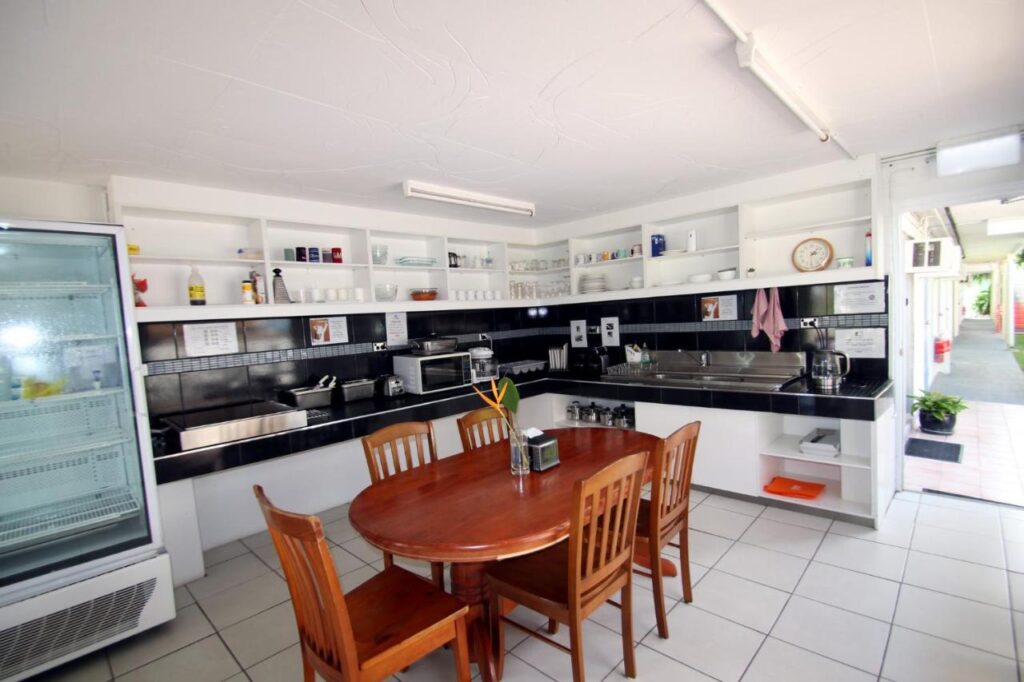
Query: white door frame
[[943, 192]]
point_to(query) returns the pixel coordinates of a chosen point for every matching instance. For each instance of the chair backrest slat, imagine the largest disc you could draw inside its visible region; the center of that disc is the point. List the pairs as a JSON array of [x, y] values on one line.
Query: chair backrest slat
[[603, 526], [482, 427], [673, 472], [398, 448], [317, 598]]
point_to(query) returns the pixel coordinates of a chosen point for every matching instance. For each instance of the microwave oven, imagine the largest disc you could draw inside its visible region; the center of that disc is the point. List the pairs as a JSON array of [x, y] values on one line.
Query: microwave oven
[[431, 373]]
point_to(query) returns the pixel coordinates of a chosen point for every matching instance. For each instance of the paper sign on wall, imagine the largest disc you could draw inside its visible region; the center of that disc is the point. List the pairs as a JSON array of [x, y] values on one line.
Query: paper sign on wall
[[214, 338], [861, 343], [718, 308], [578, 333], [609, 331], [868, 297], [397, 329], [328, 330]]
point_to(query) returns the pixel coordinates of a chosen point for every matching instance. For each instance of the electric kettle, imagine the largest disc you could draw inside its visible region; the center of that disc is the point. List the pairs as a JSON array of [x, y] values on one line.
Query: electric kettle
[[828, 367]]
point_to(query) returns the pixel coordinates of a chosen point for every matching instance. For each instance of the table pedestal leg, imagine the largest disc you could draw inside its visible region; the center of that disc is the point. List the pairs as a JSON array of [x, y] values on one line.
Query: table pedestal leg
[[469, 585]]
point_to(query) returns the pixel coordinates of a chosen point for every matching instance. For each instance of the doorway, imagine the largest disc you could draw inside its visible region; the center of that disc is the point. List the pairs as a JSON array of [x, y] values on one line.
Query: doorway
[[965, 322]]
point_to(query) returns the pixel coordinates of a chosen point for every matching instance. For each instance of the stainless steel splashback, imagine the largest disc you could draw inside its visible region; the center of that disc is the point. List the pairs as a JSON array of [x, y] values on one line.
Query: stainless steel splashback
[[753, 361]]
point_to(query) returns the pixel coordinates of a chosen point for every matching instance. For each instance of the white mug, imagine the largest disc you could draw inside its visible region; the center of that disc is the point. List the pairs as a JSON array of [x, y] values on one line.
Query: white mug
[[359, 294], [489, 295], [343, 294], [460, 295], [332, 294], [298, 295], [314, 295]]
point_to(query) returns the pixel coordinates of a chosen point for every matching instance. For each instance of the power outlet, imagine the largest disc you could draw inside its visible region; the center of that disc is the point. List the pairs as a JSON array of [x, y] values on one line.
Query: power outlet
[[484, 336], [808, 322], [380, 345]]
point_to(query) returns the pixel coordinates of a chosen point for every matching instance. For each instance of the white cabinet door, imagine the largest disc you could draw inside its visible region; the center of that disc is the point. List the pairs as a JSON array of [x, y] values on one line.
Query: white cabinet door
[[727, 452]]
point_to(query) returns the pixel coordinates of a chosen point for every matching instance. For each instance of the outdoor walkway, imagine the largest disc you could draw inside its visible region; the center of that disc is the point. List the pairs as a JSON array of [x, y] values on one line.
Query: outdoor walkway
[[983, 368], [992, 465]]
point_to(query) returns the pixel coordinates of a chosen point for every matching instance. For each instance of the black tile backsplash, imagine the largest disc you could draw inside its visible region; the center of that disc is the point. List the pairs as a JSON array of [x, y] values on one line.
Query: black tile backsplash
[[276, 353]]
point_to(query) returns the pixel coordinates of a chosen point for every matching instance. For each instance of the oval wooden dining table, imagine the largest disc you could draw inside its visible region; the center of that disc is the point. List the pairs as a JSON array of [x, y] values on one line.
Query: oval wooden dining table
[[470, 511]]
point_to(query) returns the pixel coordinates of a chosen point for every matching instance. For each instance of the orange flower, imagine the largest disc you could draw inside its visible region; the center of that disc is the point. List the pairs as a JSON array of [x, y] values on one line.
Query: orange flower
[[498, 396]]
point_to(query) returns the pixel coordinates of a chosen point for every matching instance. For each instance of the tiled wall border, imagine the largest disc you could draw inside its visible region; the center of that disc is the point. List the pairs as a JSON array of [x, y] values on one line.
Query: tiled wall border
[[341, 349]]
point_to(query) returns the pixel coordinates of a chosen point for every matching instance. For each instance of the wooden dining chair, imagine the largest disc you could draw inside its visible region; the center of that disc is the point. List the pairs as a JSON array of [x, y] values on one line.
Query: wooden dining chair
[[572, 579], [482, 427], [379, 628], [667, 515], [397, 448]]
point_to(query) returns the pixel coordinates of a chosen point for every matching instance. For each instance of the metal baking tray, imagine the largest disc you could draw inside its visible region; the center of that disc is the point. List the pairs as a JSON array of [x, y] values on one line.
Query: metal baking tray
[[238, 422]]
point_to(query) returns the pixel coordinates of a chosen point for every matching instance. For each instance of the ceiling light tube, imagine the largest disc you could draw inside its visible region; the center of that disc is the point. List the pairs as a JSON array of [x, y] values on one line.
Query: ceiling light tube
[[450, 195], [753, 60], [978, 152]]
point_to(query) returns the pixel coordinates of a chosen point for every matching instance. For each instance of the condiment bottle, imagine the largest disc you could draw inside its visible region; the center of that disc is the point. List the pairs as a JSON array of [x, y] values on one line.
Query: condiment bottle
[[247, 297], [196, 288]]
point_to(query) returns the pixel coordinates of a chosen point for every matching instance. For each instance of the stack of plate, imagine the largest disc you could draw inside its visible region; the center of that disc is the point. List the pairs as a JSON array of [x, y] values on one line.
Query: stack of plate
[[592, 284]]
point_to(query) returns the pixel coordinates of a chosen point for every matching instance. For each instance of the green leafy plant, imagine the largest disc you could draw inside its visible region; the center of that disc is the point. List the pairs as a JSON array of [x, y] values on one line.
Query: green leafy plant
[[938, 405], [510, 394], [1020, 258], [983, 302]]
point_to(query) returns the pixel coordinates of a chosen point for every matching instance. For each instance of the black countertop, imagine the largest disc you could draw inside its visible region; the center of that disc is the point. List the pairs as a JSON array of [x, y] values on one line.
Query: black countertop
[[857, 399]]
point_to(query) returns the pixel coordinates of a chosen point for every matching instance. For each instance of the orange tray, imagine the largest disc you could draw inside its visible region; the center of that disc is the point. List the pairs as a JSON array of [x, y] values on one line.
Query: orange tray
[[792, 487]]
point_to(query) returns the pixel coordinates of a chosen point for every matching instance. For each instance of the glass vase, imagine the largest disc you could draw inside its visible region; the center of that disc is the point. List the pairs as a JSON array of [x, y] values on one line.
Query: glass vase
[[520, 459]]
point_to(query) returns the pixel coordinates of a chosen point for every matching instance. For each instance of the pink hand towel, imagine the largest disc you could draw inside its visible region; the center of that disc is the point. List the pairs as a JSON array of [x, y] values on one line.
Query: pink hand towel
[[767, 317]]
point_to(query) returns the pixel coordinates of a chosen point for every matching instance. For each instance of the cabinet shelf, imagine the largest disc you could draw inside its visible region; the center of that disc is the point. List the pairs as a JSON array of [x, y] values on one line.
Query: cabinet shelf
[[830, 499], [680, 253], [409, 268], [788, 447], [808, 228], [476, 271], [186, 261], [614, 261], [529, 273], [306, 264]]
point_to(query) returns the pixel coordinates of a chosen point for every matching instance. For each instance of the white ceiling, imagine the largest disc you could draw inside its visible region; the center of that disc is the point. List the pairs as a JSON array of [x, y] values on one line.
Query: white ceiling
[[582, 106], [971, 224]]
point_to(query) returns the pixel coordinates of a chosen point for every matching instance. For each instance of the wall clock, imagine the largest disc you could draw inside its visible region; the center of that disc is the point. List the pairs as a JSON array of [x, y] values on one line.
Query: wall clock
[[812, 254]]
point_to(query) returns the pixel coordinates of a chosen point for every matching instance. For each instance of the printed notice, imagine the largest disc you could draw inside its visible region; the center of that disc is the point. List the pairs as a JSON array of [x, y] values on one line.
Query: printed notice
[[215, 338], [328, 330], [861, 343], [609, 331], [868, 297], [578, 333], [397, 328], [718, 308]]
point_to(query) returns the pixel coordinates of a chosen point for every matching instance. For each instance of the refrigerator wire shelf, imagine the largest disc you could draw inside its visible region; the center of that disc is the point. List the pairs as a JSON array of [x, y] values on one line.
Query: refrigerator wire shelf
[[51, 290], [32, 421], [65, 517]]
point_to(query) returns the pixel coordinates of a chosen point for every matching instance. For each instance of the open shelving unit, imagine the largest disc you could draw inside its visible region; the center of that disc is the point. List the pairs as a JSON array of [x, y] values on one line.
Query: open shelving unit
[[755, 237]]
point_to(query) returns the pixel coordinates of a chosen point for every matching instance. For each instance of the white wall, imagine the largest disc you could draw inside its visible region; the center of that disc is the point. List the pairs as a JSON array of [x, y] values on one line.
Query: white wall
[[45, 200]]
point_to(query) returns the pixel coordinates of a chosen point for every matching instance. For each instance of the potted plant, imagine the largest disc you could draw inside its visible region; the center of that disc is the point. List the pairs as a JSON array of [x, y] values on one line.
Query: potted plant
[[938, 411]]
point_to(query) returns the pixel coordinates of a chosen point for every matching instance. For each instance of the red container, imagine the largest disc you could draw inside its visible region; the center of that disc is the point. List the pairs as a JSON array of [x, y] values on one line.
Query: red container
[[336, 254]]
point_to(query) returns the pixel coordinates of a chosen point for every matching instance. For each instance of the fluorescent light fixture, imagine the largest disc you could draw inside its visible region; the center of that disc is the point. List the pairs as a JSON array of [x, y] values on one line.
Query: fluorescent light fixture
[[1004, 226], [1012, 200], [450, 195], [966, 155]]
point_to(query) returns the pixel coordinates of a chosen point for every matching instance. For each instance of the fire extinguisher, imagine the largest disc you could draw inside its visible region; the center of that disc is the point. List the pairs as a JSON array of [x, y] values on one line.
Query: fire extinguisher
[[942, 346]]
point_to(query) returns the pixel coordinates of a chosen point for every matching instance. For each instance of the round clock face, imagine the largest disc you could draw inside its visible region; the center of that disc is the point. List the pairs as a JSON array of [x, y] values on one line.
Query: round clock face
[[812, 254]]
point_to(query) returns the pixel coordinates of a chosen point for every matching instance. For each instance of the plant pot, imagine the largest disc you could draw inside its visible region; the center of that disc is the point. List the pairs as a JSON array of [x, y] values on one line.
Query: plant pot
[[940, 427]]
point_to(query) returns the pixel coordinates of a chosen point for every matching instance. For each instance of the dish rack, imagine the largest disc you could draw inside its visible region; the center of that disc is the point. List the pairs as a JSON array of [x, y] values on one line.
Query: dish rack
[[631, 369], [520, 367]]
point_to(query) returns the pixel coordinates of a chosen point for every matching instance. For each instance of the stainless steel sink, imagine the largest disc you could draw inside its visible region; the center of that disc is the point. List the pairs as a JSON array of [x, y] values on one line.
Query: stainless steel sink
[[747, 371]]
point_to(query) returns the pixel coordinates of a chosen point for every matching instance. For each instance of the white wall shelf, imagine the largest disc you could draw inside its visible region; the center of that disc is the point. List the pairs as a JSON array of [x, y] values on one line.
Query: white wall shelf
[[325, 266], [809, 228], [186, 261], [788, 447], [755, 237]]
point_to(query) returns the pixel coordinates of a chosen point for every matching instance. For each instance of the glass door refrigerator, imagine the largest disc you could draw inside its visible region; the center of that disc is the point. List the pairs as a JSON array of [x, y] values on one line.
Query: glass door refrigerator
[[81, 559]]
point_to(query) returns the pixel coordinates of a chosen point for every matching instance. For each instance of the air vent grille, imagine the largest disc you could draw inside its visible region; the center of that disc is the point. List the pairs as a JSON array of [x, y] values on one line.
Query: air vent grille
[[57, 634]]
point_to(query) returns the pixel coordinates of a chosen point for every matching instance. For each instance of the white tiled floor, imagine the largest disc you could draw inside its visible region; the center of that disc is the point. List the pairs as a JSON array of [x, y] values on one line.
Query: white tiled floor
[[778, 596]]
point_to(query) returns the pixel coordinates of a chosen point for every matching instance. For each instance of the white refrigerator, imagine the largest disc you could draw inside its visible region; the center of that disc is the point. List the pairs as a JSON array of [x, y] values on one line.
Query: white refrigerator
[[81, 558]]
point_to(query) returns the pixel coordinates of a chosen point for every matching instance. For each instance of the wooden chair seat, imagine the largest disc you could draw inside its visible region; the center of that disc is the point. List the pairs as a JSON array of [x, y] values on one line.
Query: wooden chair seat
[[381, 627], [666, 515], [395, 606], [570, 580], [398, 448], [538, 578]]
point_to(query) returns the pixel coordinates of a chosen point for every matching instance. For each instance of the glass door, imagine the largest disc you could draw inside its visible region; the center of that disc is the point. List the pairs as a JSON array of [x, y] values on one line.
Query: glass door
[[71, 486]]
